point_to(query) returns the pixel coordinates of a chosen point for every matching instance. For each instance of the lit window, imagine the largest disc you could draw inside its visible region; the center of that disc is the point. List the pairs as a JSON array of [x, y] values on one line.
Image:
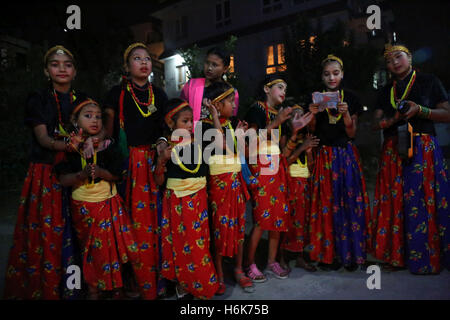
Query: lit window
[[276, 61], [231, 70]]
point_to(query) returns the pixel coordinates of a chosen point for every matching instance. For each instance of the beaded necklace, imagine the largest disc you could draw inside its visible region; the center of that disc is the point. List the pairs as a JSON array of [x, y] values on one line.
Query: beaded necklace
[[61, 131], [183, 167], [268, 111], [150, 104], [405, 93]]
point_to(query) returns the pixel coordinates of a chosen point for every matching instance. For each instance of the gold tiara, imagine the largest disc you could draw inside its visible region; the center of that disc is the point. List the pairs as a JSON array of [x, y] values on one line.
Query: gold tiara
[[223, 95], [388, 49], [332, 57], [296, 106], [83, 104], [58, 50], [172, 112], [131, 47], [271, 83]]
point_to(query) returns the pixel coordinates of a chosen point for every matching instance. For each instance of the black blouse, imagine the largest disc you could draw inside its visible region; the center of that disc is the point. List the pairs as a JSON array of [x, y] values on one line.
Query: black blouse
[[175, 171], [207, 124], [139, 130], [334, 135], [427, 91], [41, 108], [109, 159], [257, 115]]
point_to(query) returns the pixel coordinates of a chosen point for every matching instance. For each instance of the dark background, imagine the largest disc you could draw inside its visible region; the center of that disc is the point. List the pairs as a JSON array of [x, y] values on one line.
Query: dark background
[[98, 47]]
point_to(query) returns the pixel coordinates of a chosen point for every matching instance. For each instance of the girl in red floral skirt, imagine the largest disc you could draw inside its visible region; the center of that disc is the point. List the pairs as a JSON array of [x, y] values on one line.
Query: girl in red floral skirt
[[35, 264], [135, 117], [101, 222], [268, 185], [184, 226], [227, 189], [298, 153]]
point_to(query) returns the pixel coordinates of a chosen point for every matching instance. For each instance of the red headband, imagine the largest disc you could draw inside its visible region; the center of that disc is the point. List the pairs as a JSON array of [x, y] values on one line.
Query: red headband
[[172, 112]]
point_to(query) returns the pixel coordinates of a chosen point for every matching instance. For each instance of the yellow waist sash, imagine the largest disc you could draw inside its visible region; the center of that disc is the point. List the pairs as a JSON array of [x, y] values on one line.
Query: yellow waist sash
[[298, 171], [95, 193], [268, 147], [185, 187], [219, 164]]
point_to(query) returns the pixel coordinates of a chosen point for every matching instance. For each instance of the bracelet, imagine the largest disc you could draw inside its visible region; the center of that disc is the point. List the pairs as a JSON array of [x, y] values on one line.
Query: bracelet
[[424, 112]]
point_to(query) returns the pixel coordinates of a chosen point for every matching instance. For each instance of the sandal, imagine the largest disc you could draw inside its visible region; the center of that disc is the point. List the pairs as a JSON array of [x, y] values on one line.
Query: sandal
[[276, 270], [301, 263], [244, 282], [222, 289], [255, 275]]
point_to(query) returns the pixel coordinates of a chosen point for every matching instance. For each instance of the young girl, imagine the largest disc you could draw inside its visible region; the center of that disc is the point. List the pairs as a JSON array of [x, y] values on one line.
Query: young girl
[[184, 226], [217, 63], [298, 153], [340, 209], [102, 225], [227, 190], [35, 267], [135, 118], [411, 214], [268, 187]]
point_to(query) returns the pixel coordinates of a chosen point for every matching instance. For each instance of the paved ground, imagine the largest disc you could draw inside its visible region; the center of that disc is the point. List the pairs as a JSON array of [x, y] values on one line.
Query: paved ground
[[300, 285]]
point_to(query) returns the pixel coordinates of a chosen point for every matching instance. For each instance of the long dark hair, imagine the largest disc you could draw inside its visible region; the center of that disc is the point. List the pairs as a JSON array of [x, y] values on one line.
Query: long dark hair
[[260, 94], [222, 54]]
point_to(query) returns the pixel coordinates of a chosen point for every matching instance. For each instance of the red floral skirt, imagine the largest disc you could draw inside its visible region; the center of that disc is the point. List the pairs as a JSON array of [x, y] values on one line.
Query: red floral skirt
[[34, 265], [227, 198], [185, 243], [270, 203], [141, 198], [296, 237], [388, 223], [105, 235]]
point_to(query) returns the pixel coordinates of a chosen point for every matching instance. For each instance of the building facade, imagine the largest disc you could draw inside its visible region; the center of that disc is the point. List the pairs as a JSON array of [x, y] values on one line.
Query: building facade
[[259, 28]]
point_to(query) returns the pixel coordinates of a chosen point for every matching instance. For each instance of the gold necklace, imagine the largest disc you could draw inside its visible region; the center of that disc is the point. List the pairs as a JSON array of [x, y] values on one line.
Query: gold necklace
[[183, 167]]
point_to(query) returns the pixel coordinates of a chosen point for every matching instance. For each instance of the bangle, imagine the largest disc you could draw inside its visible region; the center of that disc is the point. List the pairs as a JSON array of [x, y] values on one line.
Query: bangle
[[424, 112]]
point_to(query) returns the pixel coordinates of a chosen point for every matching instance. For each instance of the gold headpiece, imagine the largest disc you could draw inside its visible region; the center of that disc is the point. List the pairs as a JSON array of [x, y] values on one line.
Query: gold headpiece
[[83, 104], [58, 50], [271, 83], [223, 95], [332, 57], [388, 49], [296, 106], [172, 112], [131, 47]]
